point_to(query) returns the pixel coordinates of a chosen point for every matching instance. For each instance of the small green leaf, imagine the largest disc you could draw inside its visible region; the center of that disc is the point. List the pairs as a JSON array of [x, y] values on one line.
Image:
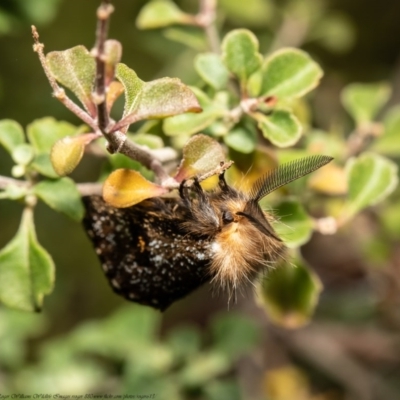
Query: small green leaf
[[148, 140], [185, 342], [211, 69], [132, 85], [234, 335], [294, 226], [389, 142], [189, 123], [363, 101], [42, 134], [23, 154], [14, 192], [251, 12], [335, 31], [289, 73], [240, 53], [166, 97], [11, 134], [242, 140], [289, 294], [204, 368], [161, 13], [281, 127], [61, 195], [161, 98], [371, 178], [194, 39], [125, 188], [75, 69], [201, 154], [26, 269]]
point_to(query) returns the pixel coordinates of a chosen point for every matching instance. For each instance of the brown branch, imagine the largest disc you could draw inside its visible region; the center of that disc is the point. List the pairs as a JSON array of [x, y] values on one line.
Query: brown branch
[[58, 92], [206, 20], [361, 138], [103, 18], [6, 181]]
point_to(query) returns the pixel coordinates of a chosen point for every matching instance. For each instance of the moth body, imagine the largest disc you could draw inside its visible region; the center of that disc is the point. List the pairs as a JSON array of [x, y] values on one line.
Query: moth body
[[161, 249]]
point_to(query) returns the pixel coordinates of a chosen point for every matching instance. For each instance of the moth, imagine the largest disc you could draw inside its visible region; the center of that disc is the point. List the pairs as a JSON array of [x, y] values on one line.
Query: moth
[[160, 250]]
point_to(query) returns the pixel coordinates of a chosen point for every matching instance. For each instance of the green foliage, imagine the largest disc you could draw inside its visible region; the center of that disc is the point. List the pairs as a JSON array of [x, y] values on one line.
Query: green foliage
[[290, 294], [177, 365], [371, 179], [289, 73], [26, 269], [240, 53], [75, 69], [364, 101]]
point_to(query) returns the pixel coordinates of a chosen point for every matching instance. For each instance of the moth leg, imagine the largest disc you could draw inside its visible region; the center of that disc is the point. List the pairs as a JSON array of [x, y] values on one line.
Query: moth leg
[[198, 190], [222, 182], [184, 193]]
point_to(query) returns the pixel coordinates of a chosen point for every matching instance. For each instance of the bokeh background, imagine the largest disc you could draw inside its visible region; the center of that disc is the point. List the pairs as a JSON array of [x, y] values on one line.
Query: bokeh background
[[81, 341]]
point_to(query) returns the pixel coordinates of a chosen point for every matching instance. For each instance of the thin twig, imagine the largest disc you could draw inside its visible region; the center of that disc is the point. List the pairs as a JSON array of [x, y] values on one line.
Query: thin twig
[[103, 17], [6, 181], [58, 92], [85, 189], [206, 19], [361, 137]]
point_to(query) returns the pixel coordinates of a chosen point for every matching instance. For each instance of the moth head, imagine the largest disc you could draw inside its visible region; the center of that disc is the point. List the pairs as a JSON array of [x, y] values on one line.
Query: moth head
[[238, 209]]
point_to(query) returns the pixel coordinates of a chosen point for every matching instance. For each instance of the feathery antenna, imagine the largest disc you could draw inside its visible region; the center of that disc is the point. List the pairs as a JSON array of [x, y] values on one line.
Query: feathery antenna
[[285, 174]]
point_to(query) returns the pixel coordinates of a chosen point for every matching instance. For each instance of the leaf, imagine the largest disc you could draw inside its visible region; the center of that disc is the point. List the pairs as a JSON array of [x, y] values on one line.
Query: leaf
[[289, 73], [132, 86], [185, 342], [389, 142], [26, 269], [250, 13], [242, 140], [159, 99], [211, 69], [363, 101], [289, 294], [14, 192], [189, 123], [23, 154], [201, 154], [371, 178], [280, 127], [234, 335], [161, 13], [75, 69], [125, 188], [194, 39], [240, 53], [204, 368], [42, 135], [68, 151], [11, 134], [61, 195], [329, 180], [294, 226]]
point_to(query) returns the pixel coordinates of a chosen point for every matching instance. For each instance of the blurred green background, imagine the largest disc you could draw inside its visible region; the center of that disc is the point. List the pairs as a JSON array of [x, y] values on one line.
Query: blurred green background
[[351, 350]]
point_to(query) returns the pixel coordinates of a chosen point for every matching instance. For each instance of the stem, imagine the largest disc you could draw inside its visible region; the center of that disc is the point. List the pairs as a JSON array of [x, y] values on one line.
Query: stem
[[206, 19], [361, 137], [58, 92], [103, 18]]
